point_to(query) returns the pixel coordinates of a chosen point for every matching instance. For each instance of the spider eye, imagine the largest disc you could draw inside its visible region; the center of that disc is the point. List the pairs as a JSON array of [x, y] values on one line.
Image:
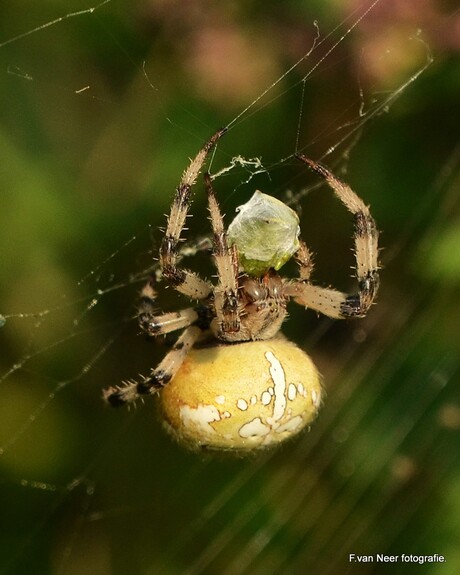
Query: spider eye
[[266, 232]]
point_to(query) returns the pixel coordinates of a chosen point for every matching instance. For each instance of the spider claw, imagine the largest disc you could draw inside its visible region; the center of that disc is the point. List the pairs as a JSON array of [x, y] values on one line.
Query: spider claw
[[120, 395], [113, 396]]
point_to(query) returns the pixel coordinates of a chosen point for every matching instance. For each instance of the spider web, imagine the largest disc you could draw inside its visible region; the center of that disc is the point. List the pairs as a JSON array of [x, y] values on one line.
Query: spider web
[[101, 110]]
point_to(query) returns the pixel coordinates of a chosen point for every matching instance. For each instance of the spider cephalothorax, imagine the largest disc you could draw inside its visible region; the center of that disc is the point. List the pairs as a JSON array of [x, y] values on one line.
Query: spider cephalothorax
[[247, 386]]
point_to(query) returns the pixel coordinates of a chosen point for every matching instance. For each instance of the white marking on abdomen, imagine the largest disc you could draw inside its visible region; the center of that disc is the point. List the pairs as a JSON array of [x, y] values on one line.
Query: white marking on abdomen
[[265, 398], [290, 425], [279, 380], [315, 397], [200, 417], [254, 428], [242, 404], [292, 391]]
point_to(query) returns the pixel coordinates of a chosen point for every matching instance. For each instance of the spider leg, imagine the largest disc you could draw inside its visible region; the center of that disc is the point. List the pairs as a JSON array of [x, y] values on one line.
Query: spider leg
[[154, 324], [184, 281], [168, 322], [329, 301], [304, 259], [226, 258], [160, 376]]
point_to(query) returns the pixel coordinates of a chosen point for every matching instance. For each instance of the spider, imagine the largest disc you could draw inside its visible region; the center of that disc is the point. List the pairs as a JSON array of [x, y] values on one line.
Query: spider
[[231, 380]]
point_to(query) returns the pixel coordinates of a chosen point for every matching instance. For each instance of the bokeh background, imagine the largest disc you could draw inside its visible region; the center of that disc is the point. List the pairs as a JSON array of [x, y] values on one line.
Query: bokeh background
[[100, 112]]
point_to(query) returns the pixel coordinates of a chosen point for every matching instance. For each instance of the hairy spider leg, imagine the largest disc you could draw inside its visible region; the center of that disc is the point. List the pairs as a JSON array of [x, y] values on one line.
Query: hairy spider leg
[[226, 299], [304, 258], [160, 376], [331, 302], [157, 324], [184, 281], [147, 310]]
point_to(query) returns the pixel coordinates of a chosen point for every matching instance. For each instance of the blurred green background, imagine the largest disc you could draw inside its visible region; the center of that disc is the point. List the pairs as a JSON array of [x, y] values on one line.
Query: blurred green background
[[100, 113]]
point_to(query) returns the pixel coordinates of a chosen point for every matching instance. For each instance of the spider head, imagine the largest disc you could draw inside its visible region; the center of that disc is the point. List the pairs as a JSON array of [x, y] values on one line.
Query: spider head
[[265, 232]]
